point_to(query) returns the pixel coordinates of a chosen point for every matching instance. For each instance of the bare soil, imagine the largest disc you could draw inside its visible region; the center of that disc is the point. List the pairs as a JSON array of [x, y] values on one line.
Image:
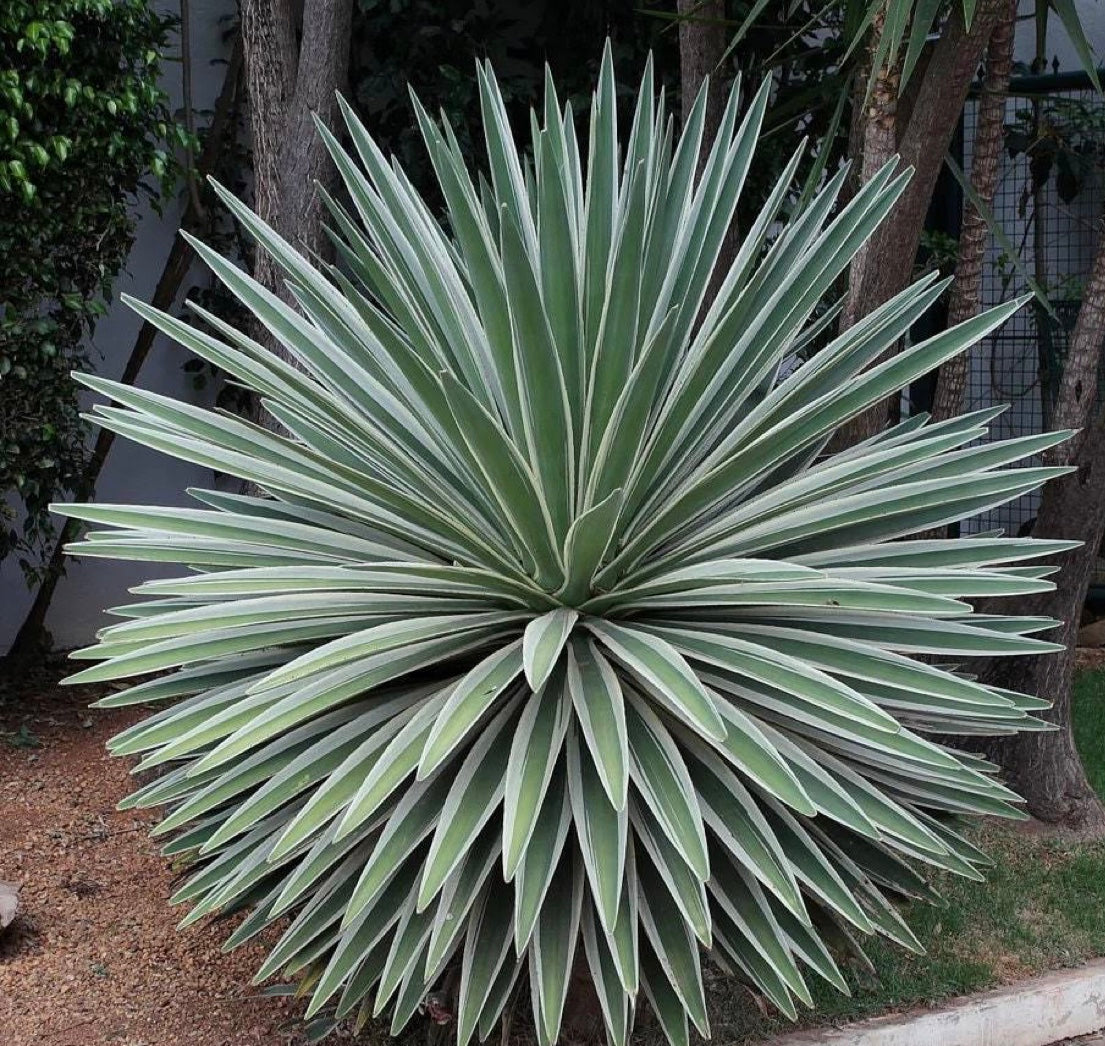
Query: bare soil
[[93, 956]]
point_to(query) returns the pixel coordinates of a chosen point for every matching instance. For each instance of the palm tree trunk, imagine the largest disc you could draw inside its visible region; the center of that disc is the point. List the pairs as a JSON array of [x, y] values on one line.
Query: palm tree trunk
[[924, 120], [966, 290]]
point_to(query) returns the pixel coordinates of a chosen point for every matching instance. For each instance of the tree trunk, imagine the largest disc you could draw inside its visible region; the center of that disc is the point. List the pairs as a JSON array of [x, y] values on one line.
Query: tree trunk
[[289, 84], [702, 43], [1077, 402], [925, 119], [268, 32], [1045, 766], [966, 290], [873, 143]]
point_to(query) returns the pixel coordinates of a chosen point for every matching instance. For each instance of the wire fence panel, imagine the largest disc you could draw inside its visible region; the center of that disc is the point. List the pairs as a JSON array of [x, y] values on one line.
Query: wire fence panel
[[1048, 204]]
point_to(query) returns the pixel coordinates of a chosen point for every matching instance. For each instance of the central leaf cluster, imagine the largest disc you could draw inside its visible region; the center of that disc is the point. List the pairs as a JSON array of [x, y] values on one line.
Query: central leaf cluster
[[556, 620]]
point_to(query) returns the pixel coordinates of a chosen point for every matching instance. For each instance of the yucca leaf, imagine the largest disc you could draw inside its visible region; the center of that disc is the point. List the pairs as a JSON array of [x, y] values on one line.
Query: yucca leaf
[[600, 709], [675, 948], [601, 830], [457, 897], [389, 766], [660, 775], [541, 859], [534, 752], [554, 949], [543, 642], [473, 796], [661, 670], [468, 700], [612, 999], [555, 610], [685, 888], [487, 941]]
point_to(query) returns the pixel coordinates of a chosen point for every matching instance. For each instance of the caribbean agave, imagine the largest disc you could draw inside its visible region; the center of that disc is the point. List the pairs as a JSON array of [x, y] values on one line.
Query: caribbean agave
[[554, 627]]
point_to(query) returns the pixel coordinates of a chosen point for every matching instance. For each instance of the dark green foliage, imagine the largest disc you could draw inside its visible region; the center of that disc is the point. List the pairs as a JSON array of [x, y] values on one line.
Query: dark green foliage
[[82, 121], [431, 47], [1088, 720]]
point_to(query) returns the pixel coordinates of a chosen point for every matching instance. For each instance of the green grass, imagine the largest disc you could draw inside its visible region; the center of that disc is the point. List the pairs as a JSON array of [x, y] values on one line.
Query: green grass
[[1088, 715], [1042, 907]]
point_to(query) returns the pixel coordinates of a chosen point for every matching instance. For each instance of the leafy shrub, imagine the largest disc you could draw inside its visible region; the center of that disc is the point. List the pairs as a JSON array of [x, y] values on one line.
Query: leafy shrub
[[556, 622], [431, 46], [82, 121]]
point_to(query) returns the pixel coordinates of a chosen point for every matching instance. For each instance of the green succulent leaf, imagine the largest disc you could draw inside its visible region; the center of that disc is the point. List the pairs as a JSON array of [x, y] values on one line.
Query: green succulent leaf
[[555, 629]]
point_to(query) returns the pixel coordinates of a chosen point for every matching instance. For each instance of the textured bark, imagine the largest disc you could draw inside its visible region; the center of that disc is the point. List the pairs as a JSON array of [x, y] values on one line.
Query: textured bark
[[702, 42], [703, 38], [966, 290], [1046, 767], [289, 84], [873, 143], [923, 132], [1076, 403], [268, 32]]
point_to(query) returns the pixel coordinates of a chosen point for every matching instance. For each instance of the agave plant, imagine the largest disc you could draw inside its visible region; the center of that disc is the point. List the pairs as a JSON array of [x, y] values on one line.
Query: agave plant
[[552, 633]]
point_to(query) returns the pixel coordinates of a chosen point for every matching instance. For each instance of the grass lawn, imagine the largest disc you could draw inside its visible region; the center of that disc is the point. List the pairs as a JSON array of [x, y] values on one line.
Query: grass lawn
[[1089, 725], [1042, 907]]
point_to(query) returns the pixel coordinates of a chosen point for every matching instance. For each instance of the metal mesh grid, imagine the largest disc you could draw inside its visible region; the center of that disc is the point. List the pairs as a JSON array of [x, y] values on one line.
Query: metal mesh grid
[[1053, 232]]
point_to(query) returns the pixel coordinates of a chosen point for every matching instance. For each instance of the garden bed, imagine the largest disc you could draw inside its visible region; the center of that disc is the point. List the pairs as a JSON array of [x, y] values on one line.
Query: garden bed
[[94, 957]]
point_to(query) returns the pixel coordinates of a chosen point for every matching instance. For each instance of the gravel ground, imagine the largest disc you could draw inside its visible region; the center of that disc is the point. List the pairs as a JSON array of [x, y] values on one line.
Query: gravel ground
[[94, 957]]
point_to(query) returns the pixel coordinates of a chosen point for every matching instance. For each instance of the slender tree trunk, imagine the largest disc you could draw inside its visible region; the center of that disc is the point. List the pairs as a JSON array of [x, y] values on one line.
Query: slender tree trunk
[[290, 84], [966, 290], [925, 118], [1077, 402], [703, 38], [268, 31], [702, 42], [873, 144], [1046, 767]]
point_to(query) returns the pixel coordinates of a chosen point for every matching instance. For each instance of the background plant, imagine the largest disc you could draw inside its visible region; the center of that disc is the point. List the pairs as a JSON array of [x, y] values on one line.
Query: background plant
[[553, 624], [83, 125]]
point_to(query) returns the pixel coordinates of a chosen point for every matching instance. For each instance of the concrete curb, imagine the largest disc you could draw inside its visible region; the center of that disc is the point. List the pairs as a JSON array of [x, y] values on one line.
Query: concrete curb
[[1039, 1012]]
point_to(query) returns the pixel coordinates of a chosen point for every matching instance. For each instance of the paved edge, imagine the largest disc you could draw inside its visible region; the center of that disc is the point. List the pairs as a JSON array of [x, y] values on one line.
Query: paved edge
[[1038, 1012]]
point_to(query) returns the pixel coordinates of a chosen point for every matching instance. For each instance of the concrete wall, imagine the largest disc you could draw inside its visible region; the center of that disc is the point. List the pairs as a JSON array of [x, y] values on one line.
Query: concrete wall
[[132, 473], [1092, 15]]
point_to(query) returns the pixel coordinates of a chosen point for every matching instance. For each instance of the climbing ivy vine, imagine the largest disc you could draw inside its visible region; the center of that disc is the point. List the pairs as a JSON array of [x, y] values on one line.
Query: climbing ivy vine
[[86, 134]]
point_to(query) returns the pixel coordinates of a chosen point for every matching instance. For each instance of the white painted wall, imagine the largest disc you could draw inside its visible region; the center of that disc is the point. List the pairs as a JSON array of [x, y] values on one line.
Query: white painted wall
[[132, 473], [1092, 15]]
